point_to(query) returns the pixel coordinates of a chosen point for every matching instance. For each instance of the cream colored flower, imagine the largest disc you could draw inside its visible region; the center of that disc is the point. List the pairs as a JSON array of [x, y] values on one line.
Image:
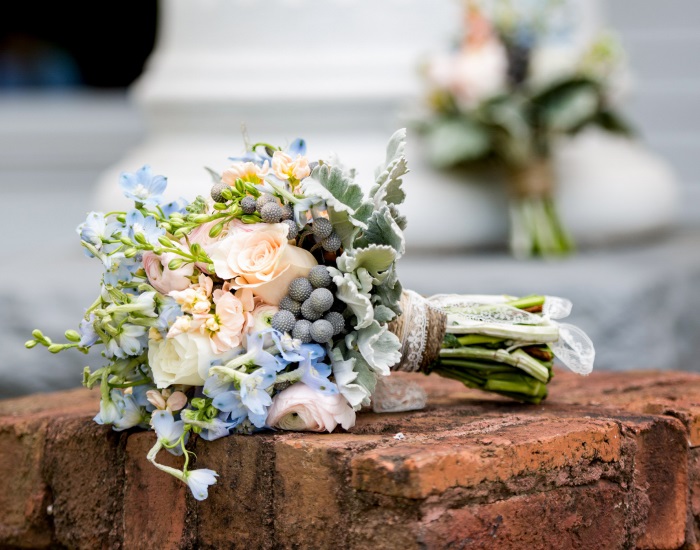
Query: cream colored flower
[[184, 359], [262, 260], [287, 168], [247, 171]]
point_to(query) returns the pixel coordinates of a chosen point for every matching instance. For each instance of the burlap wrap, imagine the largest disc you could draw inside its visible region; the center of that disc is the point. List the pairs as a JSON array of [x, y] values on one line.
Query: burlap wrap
[[533, 180], [421, 330]]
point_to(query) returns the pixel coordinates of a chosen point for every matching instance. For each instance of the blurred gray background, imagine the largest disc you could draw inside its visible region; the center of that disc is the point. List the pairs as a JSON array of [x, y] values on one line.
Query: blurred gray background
[[66, 117]]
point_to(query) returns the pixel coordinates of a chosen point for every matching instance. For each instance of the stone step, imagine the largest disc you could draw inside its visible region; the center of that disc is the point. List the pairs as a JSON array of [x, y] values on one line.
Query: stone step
[[610, 461]]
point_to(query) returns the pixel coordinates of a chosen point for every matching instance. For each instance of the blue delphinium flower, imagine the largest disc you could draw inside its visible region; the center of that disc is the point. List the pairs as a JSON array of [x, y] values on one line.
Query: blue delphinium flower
[[179, 206], [169, 431], [132, 414], [231, 385], [199, 480], [297, 147], [119, 268], [129, 341], [143, 186], [86, 329], [147, 226], [211, 429], [94, 230], [169, 311], [315, 375], [252, 156]]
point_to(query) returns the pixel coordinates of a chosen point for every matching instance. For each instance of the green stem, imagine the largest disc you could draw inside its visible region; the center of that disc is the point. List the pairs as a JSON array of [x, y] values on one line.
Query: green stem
[[518, 359]]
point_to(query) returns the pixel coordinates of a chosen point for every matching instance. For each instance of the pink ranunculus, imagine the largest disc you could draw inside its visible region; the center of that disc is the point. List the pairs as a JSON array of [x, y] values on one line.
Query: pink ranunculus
[[301, 408], [261, 259], [285, 167], [161, 277]]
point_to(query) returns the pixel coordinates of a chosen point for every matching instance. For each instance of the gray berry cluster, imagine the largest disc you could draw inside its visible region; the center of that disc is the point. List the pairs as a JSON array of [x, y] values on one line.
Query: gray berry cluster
[[270, 211], [306, 310], [322, 229]]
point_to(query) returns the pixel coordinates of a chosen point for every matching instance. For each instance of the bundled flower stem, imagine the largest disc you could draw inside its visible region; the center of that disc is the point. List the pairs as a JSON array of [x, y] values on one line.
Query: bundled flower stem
[[517, 365]]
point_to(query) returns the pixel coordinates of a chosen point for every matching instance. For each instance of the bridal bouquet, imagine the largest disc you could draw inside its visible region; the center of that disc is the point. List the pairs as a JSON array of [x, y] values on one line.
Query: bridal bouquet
[[506, 96], [274, 303]]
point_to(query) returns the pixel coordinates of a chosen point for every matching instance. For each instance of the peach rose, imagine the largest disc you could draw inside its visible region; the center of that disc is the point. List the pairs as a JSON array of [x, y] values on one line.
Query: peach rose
[[161, 277], [302, 409], [261, 259], [247, 171], [285, 167]]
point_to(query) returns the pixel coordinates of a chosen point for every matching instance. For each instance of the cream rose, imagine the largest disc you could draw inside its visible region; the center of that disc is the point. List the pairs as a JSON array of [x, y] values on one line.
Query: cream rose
[[161, 277], [301, 408], [261, 259], [184, 359]]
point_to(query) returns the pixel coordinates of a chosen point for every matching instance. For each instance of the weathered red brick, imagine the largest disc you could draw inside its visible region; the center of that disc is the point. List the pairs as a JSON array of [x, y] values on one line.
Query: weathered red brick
[[661, 471], [155, 503], [23, 493], [429, 465], [84, 468], [569, 517], [239, 510]]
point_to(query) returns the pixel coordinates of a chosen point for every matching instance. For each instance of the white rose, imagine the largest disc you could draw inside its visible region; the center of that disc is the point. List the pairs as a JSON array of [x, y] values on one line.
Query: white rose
[[303, 409], [184, 359]]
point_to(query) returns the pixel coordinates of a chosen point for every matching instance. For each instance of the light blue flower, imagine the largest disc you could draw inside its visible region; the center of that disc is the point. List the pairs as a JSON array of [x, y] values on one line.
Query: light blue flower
[[109, 408], [86, 329], [315, 375], [169, 311], [147, 226], [132, 414], [199, 480], [94, 230], [143, 186], [212, 429], [119, 268], [168, 430], [179, 206], [297, 147], [129, 341], [251, 156]]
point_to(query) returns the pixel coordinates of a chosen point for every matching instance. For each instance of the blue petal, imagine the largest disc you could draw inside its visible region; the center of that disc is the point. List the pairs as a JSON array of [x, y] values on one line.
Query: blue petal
[[297, 147]]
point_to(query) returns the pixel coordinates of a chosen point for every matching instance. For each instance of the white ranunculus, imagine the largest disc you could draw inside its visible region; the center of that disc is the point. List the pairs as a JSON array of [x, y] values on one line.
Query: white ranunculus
[[184, 359], [479, 74], [303, 409]]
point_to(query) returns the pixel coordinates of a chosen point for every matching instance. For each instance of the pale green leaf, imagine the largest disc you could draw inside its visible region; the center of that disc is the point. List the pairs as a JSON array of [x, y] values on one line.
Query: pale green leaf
[[383, 229], [383, 314], [335, 188], [354, 291], [375, 259], [379, 347], [387, 189], [346, 373]]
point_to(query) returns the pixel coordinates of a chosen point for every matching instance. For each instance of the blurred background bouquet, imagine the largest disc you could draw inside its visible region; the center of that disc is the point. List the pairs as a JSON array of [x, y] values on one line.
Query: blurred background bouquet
[[512, 87]]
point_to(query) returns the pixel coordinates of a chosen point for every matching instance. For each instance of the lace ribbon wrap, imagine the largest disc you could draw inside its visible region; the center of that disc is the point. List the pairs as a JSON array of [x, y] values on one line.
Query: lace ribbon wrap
[[424, 322], [421, 329]]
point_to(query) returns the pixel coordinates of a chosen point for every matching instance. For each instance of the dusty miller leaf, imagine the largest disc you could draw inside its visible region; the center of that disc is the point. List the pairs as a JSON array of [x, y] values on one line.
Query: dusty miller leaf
[[335, 188]]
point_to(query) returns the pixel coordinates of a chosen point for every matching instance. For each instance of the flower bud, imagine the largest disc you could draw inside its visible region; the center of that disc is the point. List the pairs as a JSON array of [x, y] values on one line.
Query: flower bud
[[216, 230], [139, 238], [164, 240], [72, 336], [125, 240], [220, 206], [175, 264], [29, 344], [167, 226], [130, 252], [55, 348]]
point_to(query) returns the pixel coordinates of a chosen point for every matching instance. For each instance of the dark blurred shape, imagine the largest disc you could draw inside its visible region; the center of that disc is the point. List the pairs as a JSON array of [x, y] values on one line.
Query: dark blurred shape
[[45, 43]]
